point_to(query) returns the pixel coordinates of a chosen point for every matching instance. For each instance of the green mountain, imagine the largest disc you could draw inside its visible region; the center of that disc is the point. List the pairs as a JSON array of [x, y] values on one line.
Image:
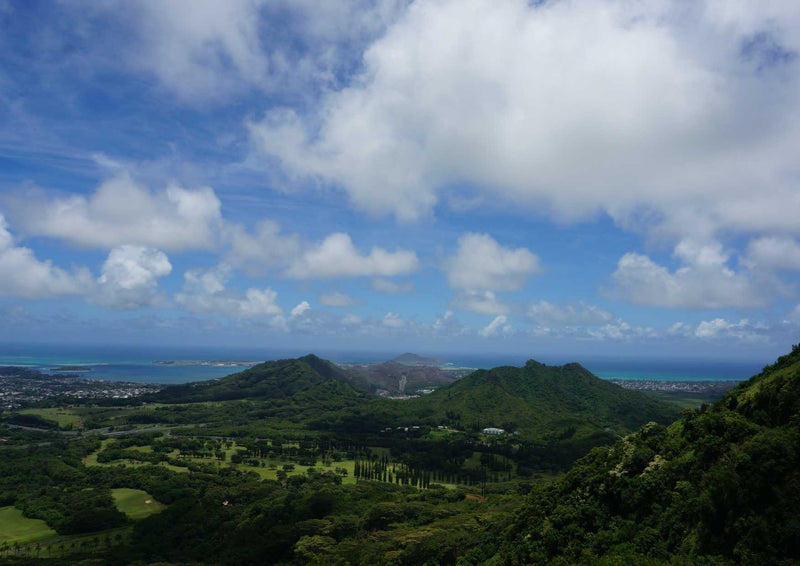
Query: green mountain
[[538, 400], [307, 378], [719, 486]]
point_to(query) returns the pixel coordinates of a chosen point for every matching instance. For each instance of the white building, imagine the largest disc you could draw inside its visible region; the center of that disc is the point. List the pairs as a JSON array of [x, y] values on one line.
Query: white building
[[492, 430]]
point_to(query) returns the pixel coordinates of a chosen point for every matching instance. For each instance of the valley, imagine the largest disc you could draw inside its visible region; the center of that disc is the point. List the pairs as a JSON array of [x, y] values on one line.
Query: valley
[[307, 458]]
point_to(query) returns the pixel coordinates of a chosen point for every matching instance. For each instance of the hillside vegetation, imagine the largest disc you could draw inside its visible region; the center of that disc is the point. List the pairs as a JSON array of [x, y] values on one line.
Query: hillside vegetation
[[538, 399], [308, 377], [295, 465], [719, 486]]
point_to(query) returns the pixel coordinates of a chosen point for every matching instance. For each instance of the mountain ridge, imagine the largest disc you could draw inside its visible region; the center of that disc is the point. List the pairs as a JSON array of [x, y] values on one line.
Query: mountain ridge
[[717, 486]]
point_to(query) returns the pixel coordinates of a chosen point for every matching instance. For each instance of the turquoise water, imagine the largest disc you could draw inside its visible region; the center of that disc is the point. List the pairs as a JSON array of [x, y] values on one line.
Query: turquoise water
[[124, 363]]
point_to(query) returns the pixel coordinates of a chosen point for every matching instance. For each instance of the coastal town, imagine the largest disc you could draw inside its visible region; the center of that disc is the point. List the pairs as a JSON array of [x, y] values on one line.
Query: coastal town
[[23, 386]]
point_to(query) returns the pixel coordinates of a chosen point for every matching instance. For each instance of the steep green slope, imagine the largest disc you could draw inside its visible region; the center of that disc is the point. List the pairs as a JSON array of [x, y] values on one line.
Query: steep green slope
[[719, 486], [537, 400], [308, 377]]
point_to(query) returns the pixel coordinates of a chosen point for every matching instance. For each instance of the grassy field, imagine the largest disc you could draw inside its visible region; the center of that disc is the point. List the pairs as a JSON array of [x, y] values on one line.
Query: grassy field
[[64, 417], [271, 473], [91, 459], [14, 528], [270, 468], [135, 503], [685, 400]]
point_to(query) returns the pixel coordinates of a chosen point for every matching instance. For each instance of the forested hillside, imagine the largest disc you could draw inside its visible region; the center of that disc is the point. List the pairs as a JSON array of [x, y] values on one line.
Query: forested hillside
[[719, 486], [288, 463], [536, 400], [279, 379]]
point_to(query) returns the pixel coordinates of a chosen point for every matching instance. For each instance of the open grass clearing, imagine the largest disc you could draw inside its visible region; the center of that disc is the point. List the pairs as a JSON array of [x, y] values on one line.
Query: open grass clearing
[[91, 459], [135, 503], [64, 417], [16, 528]]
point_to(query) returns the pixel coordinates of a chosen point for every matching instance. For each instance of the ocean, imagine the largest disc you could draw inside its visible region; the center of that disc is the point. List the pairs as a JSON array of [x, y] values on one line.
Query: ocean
[[136, 364]]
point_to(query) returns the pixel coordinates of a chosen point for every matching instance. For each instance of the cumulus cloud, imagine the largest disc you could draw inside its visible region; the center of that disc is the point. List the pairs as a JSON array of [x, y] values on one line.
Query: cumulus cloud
[[130, 278], [497, 327], [480, 302], [123, 212], [480, 263], [619, 330], [300, 309], [773, 253], [336, 299], [448, 324], [204, 291], [23, 275], [546, 313], [722, 328], [664, 111], [704, 281], [336, 257], [265, 248], [202, 49], [351, 319], [393, 320], [205, 51], [392, 287]]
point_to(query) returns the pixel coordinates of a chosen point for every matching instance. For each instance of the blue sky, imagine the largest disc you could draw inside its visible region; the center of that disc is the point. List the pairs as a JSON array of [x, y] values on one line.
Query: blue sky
[[618, 178]]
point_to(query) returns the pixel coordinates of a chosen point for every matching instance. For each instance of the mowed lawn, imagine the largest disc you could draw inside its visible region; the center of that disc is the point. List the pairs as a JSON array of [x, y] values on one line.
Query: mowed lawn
[[14, 527], [64, 417], [135, 503]]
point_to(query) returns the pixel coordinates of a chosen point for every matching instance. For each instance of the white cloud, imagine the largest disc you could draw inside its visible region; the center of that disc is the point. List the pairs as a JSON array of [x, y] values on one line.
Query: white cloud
[[641, 110], [773, 253], [130, 278], [351, 320], [336, 299], [392, 287], [703, 282], [337, 257], [393, 320], [496, 327], [480, 302], [23, 275], [546, 313], [300, 309], [721, 328], [204, 291], [619, 330], [206, 51], [122, 212], [678, 329], [202, 49], [448, 324], [265, 248], [480, 263]]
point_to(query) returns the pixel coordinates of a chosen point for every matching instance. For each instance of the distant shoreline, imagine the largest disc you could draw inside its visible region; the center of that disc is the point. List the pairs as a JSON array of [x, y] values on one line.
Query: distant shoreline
[[719, 387], [210, 363]]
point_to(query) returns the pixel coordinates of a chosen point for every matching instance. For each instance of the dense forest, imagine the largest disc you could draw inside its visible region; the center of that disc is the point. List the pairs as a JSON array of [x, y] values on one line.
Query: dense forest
[[293, 462]]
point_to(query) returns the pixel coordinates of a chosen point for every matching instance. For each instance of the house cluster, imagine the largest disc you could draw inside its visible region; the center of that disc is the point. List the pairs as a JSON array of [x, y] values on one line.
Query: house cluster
[[492, 430]]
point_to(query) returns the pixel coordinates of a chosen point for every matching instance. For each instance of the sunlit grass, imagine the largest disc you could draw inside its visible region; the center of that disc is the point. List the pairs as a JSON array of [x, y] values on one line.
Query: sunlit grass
[[16, 528], [135, 503]]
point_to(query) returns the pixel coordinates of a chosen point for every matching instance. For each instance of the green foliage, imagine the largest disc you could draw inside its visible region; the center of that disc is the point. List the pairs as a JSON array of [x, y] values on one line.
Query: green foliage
[[719, 486], [716, 487], [308, 378]]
